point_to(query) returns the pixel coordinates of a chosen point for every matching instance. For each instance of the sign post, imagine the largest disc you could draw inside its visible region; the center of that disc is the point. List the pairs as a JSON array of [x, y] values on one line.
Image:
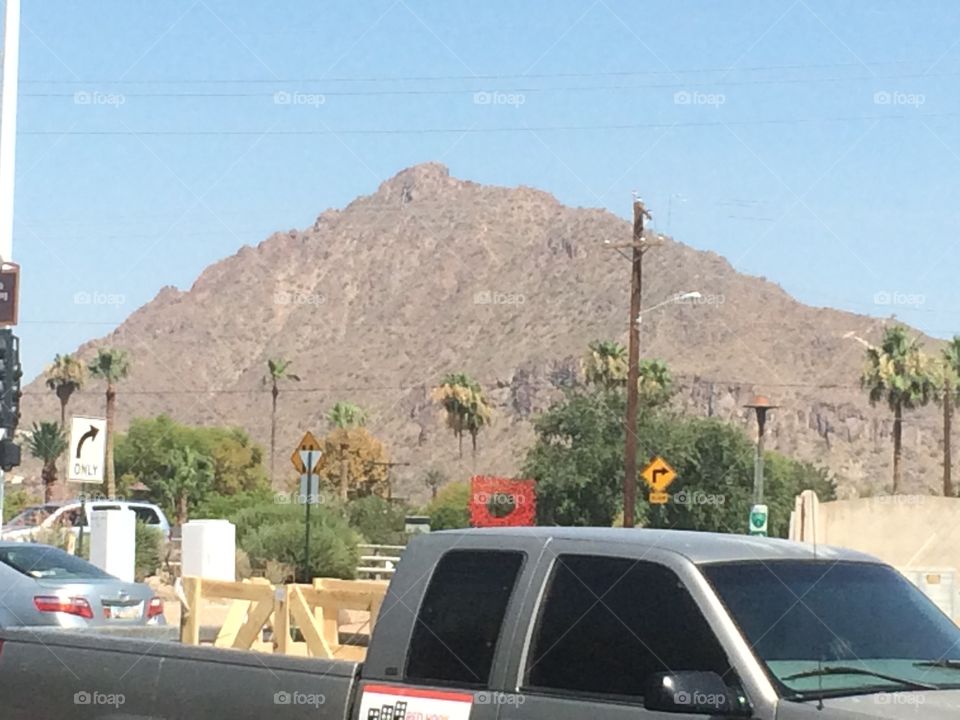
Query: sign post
[[88, 445], [305, 459]]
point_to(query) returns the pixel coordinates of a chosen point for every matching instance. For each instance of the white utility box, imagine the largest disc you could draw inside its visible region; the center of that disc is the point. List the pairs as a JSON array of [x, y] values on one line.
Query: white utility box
[[113, 542], [209, 549]]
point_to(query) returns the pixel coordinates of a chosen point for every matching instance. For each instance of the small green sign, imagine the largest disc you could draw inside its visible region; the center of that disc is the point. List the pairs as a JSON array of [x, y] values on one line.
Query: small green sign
[[758, 520]]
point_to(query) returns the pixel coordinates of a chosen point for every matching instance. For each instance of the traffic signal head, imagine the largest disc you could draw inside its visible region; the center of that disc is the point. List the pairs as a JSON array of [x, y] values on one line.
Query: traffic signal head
[[9, 454], [10, 374]]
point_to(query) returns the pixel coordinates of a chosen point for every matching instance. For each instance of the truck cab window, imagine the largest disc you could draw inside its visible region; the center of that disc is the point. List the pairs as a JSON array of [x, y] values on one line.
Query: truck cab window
[[459, 621], [638, 617]]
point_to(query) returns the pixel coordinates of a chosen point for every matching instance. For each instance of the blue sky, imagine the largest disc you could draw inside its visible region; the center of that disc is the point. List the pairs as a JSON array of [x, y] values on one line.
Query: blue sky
[[811, 142]]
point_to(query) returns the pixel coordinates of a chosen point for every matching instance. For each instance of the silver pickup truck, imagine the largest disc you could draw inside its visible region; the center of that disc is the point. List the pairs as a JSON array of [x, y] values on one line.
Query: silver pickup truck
[[552, 624]]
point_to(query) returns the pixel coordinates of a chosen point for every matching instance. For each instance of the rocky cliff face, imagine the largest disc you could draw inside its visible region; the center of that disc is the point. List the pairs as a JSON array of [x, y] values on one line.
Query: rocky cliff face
[[431, 274]]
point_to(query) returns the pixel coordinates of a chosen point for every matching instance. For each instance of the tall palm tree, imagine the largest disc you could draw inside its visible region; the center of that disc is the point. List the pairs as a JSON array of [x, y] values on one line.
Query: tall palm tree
[[111, 366], [346, 415], [605, 363], [898, 373], [949, 393], [467, 409], [278, 370], [47, 443], [65, 376], [655, 383]]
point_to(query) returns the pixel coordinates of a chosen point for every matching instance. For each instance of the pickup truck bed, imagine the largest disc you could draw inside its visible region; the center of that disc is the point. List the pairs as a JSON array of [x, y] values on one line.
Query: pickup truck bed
[[160, 680]]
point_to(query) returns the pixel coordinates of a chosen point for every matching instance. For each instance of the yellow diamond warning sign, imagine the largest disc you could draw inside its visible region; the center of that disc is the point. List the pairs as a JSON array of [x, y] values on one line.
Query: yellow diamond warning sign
[[658, 475], [308, 444]]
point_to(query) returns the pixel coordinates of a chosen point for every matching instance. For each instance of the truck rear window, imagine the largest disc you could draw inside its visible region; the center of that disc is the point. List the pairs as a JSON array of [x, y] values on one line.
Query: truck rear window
[[459, 622]]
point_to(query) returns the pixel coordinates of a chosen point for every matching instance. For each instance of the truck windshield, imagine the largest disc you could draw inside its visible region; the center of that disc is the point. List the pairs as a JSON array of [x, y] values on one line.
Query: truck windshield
[[837, 627]]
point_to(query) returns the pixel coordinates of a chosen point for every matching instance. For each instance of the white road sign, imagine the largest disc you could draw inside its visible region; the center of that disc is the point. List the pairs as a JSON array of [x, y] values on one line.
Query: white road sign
[[88, 444]]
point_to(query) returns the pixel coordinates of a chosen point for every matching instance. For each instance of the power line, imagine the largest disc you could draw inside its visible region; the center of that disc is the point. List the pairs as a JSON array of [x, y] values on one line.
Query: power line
[[476, 77], [476, 130]]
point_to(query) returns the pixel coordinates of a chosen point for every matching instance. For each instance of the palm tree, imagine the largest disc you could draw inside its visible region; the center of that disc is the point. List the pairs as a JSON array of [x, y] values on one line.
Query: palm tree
[[277, 370], [655, 383], [465, 405], [898, 373], [190, 477], [346, 415], [65, 376], [111, 366], [47, 443], [949, 393], [434, 479], [605, 363]]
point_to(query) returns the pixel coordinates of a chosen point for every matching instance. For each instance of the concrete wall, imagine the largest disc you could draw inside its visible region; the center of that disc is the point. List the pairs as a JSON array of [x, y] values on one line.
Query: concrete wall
[[911, 532]]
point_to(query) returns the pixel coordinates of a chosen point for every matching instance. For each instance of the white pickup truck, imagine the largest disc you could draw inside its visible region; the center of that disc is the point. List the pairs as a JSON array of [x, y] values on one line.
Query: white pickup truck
[[552, 624]]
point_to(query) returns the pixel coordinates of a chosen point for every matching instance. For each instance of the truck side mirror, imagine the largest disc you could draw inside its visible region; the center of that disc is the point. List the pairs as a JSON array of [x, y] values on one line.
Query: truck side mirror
[[695, 693]]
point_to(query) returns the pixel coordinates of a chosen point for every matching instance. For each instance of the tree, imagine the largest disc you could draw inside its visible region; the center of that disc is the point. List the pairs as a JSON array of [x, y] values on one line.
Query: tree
[[948, 394], [897, 372], [187, 479], [346, 415], [47, 443], [655, 383], [277, 371], [605, 364], [434, 479], [467, 411], [450, 509], [143, 454], [65, 376], [111, 366], [577, 461], [354, 463]]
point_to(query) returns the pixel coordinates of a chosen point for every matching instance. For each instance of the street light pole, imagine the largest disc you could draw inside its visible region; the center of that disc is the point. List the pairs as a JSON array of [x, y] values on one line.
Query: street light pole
[[761, 405]]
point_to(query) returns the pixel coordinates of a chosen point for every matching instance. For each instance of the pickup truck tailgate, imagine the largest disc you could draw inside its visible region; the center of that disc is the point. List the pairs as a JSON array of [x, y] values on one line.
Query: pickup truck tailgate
[[55, 673]]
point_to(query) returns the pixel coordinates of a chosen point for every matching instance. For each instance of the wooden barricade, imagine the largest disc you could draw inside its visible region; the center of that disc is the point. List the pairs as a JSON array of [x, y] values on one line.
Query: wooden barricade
[[313, 610]]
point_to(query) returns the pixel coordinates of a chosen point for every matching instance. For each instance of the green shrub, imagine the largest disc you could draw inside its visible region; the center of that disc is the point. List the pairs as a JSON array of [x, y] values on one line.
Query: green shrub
[[449, 509], [380, 521], [229, 506], [275, 534], [149, 551]]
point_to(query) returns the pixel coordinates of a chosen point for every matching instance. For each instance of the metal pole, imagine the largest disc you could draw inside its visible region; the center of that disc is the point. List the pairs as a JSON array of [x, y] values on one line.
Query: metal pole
[[758, 462], [633, 369], [8, 126], [306, 542], [3, 434]]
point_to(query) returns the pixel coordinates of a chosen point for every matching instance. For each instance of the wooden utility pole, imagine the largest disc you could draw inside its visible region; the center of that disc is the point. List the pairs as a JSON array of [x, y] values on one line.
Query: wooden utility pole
[[638, 246]]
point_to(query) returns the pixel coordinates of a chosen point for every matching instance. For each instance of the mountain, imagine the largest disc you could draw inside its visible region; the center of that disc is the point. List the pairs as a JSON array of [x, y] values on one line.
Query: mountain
[[432, 274]]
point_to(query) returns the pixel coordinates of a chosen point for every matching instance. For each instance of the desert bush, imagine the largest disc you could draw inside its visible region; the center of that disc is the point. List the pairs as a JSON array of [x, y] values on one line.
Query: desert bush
[[380, 521]]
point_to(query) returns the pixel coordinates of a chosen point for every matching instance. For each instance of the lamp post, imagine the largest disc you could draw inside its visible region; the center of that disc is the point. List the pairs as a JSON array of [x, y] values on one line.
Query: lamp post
[[758, 512]]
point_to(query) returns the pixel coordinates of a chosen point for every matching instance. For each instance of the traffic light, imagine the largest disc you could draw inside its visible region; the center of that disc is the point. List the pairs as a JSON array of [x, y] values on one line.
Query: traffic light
[[10, 374], [9, 455]]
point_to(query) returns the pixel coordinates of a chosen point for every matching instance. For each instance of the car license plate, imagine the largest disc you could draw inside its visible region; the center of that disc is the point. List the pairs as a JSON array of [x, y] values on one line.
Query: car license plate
[[123, 612]]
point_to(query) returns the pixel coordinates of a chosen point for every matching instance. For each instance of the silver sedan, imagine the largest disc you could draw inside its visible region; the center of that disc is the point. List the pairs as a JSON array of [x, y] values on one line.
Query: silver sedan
[[43, 585]]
